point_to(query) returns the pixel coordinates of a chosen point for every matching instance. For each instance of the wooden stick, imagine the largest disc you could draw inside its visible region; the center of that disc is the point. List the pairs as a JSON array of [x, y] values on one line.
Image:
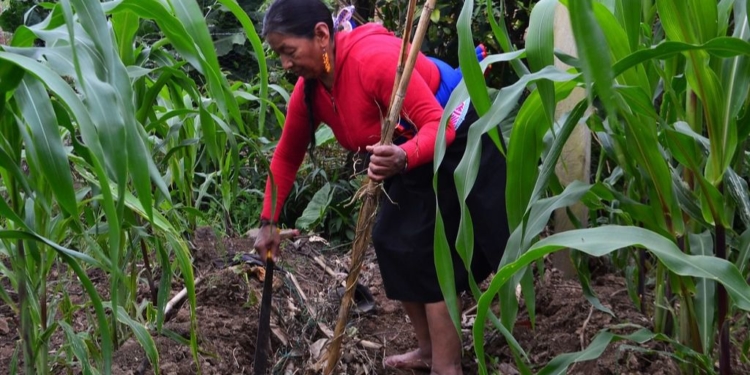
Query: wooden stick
[[371, 193], [284, 234], [416, 45], [177, 299], [404, 44]]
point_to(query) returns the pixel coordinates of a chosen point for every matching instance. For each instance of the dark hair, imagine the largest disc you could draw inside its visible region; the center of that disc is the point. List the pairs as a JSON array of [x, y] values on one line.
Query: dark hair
[[298, 18]]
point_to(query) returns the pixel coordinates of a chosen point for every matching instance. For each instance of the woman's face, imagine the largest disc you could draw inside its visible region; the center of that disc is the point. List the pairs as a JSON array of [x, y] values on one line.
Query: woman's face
[[299, 55]]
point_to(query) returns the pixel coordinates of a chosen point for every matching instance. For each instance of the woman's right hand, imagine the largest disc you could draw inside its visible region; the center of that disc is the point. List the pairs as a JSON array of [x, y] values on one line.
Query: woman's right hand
[[268, 240]]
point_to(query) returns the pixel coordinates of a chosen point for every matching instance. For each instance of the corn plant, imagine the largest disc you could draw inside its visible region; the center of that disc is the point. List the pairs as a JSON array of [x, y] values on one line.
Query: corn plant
[[102, 137], [667, 84]]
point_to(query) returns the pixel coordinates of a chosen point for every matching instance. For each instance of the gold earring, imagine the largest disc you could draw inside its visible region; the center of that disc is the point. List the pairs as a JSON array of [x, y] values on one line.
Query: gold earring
[[326, 61]]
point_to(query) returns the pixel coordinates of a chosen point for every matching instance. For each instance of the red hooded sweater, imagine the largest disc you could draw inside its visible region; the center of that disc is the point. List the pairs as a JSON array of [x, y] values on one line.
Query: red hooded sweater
[[365, 69]]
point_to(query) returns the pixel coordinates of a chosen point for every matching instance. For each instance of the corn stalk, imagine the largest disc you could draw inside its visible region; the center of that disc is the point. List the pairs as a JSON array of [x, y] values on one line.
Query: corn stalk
[[669, 104], [102, 139]]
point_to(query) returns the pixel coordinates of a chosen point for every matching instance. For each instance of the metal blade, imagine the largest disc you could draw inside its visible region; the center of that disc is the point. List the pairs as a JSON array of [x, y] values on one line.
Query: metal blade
[[264, 322]]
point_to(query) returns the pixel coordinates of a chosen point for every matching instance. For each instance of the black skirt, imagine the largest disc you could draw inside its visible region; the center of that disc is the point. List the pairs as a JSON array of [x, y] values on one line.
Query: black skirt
[[403, 234]]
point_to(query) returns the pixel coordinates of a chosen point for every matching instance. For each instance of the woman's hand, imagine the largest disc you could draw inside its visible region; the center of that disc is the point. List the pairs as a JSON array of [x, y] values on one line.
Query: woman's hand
[[268, 240], [385, 161]]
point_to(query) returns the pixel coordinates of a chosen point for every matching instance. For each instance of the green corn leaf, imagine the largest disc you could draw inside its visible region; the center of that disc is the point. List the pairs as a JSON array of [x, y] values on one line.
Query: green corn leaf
[[743, 258], [705, 305], [94, 22], [280, 117], [522, 235], [467, 59], [620, 47], [31, 236], [725, 47], [604, 240], [7, 163], [688, 201], [644, 148], [459, 95], [125, 25], [93, 133], [443, 259], [141, 335], [560, 364], [78, 347], [500, 30], [153, 172], [182, 255], [593, 52], [724, 11], [549, 163], [683, 147], [638, 102], [40, 117], [444, 268], [24, 35], [529, 294], [675, 16], [7, 212], [629, 15], [540, 42], [234, 153], [505, 101], [734, 78], [723, 134], [176, 337], [584, 276], [164, 283], [10, 77], [524, 149], [91, 64], [701, 78], [736, 186], [260, 55], [168, 24], [466, 172], [188, 12], [208, 133], [187, 143], [71, 259], [108, 97], [705, 15]]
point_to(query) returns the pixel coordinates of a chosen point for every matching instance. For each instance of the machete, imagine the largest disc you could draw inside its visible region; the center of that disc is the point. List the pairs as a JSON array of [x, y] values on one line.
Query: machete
[[264, 323]]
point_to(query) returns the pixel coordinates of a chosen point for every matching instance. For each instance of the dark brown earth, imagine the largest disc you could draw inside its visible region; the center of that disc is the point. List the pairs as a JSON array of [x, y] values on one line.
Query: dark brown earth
[[228, 304]]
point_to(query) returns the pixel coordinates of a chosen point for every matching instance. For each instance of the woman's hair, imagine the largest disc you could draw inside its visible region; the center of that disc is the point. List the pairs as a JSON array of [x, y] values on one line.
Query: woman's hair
[[298, 18]]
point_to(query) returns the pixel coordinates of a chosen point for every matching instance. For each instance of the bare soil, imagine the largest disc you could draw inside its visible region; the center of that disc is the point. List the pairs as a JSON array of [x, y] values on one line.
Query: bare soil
[[305, 308]]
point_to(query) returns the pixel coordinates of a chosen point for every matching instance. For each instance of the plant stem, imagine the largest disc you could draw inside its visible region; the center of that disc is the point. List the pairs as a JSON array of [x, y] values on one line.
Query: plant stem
[[724, 345], [149, 275], [44, 343], [642, 279], [27, 325], [660, 303]]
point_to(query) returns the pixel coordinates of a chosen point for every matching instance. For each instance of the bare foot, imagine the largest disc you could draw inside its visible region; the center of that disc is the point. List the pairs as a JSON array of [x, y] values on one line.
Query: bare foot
[[413, 360]]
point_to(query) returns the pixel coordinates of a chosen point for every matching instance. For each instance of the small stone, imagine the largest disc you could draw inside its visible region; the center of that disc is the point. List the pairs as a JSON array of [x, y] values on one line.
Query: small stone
[[4, 329]]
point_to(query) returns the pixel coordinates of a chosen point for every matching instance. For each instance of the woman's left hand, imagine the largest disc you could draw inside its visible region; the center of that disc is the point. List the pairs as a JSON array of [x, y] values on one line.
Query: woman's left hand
[[385, 161]]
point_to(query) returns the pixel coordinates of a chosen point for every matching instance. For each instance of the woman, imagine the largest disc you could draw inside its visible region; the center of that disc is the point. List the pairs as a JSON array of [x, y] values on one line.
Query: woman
[[346, 81]]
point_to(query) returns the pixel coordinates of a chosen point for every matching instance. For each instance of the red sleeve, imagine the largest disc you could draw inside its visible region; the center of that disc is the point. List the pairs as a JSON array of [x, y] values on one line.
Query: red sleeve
[[289, 153], [420, 105]]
